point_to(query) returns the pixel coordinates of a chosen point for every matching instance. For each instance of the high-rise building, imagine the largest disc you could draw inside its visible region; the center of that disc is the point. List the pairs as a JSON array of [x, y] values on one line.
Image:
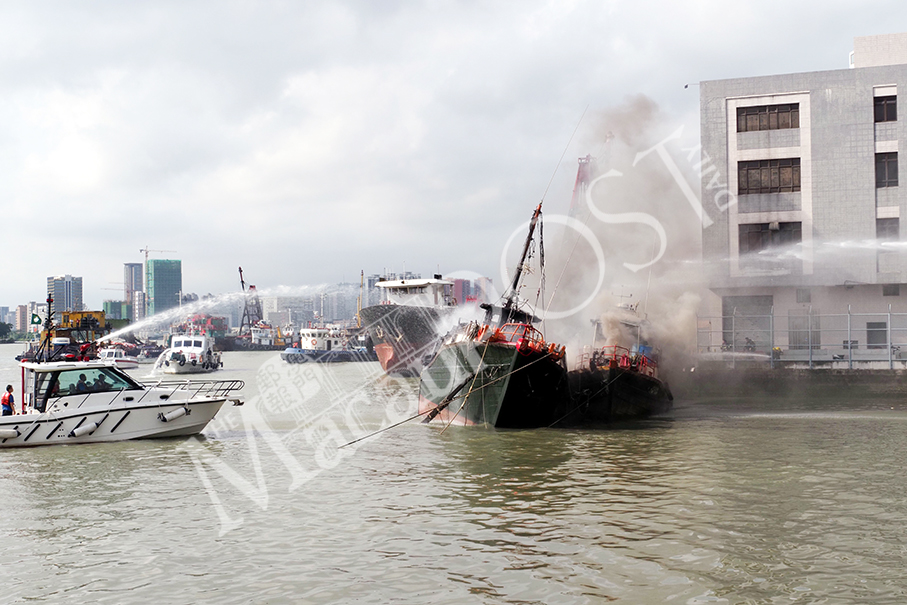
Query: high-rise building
[[66, 291], [133, 282], [163, 285], [22, 318], [800, 174]]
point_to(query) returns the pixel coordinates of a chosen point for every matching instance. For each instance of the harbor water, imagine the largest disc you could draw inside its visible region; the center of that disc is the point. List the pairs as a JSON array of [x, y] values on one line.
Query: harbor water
[[726, 500]]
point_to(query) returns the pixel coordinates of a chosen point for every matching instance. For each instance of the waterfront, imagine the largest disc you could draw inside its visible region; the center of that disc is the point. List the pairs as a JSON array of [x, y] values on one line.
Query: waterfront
[[738, 501]]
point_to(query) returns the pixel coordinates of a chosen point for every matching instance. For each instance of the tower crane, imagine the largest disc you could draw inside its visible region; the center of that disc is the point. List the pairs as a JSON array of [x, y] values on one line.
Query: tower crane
[[146, 250]]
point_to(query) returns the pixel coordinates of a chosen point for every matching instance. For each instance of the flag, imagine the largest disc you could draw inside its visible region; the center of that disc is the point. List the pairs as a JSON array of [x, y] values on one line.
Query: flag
[[35, 319]]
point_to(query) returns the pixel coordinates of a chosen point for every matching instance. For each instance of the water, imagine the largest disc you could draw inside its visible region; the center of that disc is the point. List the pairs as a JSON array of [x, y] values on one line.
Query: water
[[755, 501]]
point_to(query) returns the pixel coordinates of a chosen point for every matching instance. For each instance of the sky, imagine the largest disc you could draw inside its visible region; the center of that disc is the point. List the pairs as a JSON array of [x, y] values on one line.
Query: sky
[[310, 141]]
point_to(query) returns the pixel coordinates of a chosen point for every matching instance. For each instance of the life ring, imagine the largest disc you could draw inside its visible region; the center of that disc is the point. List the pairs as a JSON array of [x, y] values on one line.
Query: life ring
[[314, 342]]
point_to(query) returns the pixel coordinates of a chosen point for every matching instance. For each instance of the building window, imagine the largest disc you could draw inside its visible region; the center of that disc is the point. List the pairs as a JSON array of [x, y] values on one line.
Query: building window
[[876, 334], [764, 236], [803, 295], [891, 289], [887, 169], [886, 109], [888, 229], [768, 117], [769, 176]]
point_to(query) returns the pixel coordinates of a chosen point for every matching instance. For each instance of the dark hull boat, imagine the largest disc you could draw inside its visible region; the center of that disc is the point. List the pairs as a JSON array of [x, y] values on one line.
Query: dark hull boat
[[506, 378], [617, 385], [402, 335], [501, 373], [406, 326], [504, 374]]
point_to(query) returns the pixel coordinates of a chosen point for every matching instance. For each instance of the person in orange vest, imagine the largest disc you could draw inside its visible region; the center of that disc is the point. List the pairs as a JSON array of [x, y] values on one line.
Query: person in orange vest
[[8, 401]]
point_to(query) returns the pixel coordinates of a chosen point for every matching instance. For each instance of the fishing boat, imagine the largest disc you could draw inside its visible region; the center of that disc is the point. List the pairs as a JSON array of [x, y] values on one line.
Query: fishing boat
[[119, 357], [619, 381], [405, 326], [69, 402], [500, 373], [189, 354]]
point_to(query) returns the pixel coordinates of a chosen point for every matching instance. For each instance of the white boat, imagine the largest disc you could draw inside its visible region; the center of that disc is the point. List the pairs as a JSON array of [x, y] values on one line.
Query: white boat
[[189, 355], [119, 357], [95, 401], [325, 345]]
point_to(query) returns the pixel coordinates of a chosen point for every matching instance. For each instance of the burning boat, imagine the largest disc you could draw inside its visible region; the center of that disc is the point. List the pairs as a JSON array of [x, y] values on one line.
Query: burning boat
[[500, 373]]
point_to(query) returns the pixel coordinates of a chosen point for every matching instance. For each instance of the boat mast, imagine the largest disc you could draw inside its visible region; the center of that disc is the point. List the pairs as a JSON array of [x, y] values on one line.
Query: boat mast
[[45, 347], [513, 293]]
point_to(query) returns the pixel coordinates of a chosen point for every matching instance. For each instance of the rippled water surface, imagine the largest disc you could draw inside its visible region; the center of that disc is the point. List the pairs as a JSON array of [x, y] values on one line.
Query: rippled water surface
[[752, 501]]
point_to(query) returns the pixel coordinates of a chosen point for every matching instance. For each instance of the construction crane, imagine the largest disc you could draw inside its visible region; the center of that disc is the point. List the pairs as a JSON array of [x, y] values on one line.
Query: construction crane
[[146, 250]]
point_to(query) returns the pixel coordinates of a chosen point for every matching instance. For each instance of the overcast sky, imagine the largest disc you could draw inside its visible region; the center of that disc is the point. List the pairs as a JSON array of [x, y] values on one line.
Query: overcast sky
[[306, 141]]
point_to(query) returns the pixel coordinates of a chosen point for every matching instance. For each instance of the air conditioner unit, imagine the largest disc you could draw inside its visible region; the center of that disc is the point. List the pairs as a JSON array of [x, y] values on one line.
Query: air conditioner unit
[[775, 226]]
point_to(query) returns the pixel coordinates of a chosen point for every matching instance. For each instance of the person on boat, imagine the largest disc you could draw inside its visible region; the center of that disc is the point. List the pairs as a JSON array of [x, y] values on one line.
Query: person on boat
[[101, 383], [82, 385], [8, 401]]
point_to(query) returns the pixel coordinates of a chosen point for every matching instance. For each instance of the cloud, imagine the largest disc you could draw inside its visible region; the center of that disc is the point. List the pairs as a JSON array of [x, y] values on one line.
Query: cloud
[[307, 141]]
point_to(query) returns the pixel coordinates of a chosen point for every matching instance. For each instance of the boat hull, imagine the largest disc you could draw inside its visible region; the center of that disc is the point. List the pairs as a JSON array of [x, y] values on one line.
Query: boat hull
[[604, 396], [492, 384], [188, 368], [115, 423], [403, 335]]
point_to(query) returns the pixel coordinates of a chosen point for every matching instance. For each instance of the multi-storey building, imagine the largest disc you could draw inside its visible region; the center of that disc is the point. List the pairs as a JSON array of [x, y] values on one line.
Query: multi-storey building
[[133, 284], [801, 176], [163, 285], [66, 292]]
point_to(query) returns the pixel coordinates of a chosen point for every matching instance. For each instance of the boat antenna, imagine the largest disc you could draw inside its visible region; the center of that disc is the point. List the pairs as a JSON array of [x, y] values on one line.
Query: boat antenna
[[45, 347]]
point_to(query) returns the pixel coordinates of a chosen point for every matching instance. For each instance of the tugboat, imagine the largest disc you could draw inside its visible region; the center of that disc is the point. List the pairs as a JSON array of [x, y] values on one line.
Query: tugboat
[[500, 373]]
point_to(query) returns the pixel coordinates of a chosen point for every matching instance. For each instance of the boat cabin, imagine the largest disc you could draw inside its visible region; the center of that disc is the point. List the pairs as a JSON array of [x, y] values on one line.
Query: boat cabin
[[321, 339], [417, 292], [46, 381]]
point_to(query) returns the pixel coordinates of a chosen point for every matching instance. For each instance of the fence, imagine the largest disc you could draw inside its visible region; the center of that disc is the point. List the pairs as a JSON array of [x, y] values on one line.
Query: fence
[[802, 336]]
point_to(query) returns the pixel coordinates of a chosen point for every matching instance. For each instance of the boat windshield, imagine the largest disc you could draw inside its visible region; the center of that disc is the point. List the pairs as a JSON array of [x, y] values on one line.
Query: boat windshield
[[85, 380]]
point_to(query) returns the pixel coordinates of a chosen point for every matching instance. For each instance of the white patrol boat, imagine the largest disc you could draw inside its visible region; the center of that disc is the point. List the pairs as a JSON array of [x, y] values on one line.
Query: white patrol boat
[[119, 357], [189, 355], [94, 401]]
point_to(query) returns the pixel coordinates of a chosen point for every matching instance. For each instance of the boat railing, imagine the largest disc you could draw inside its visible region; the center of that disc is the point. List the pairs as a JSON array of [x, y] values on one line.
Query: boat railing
[[621, 357], [199, 388], [526, 338]]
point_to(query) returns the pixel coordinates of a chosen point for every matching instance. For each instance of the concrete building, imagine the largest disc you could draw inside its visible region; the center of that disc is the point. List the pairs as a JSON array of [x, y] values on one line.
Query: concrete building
[[800, 176], [133, 284], [163, 285], [22, 318], [66, 291], [285, 310]]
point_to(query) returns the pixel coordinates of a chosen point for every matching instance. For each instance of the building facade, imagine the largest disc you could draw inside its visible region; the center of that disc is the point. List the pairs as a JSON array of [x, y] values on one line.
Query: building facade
[[133, 284], [809, 220], [163, 285], [66, 292]]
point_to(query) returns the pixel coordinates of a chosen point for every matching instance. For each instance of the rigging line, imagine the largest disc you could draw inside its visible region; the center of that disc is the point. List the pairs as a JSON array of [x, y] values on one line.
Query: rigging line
[[566, 264], [566, 147], [471, 387], [608, 384], [488, 384], [387, 428], [451, 401]]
